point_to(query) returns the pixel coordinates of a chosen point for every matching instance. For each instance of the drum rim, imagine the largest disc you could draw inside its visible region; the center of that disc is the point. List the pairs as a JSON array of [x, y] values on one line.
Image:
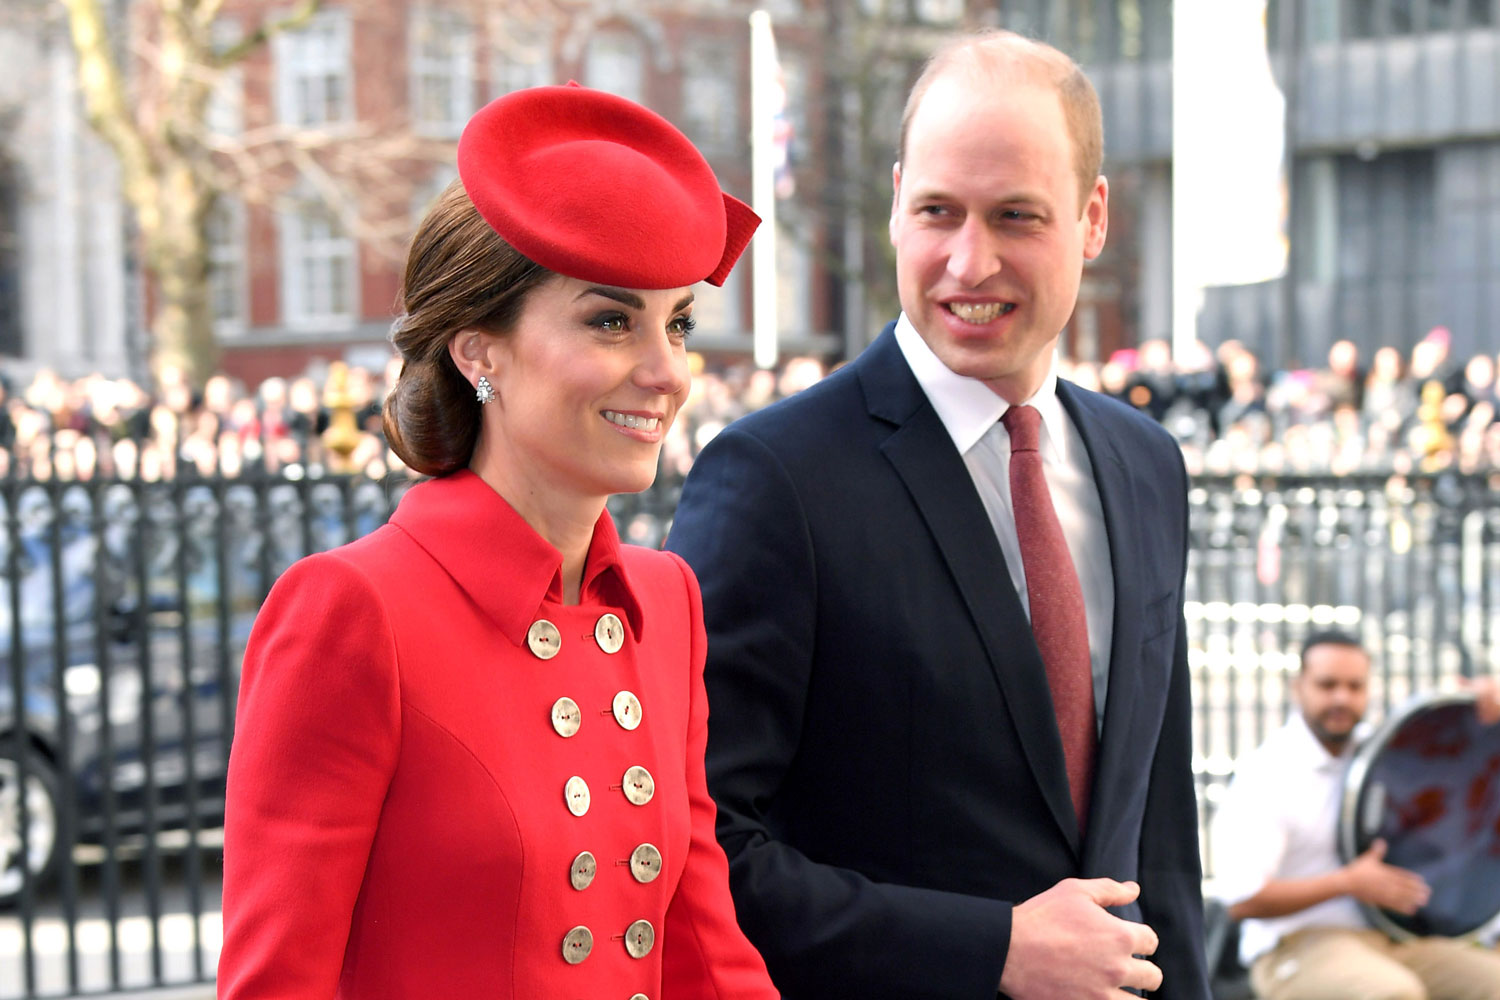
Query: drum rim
[[1354, 779]]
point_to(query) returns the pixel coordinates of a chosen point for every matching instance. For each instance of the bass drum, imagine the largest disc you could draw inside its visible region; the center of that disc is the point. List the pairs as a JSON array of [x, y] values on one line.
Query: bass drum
[[1428, 782]]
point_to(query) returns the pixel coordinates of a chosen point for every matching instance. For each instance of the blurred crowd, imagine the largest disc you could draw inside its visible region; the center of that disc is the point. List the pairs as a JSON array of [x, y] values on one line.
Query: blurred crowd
[[1388, 413], [1382, 414]]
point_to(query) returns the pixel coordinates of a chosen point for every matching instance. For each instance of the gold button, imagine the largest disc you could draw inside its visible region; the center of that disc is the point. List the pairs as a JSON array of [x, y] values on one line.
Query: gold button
[[544, 639], [639, 938], [566, 717], [583, 871], [627, 710], [640, 996], [645, 863], [577, 944], [639, 785], [609, 633], [576, 792]]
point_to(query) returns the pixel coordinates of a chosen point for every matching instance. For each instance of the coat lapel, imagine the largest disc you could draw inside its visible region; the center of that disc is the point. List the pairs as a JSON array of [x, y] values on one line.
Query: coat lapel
[[1117, 497], [923, 456]]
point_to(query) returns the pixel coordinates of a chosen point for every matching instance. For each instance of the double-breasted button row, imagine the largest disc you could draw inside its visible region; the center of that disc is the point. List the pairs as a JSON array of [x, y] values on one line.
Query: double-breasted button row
[[567, 717], [644, 861], [638, 787], [545, 641], [578, 943]]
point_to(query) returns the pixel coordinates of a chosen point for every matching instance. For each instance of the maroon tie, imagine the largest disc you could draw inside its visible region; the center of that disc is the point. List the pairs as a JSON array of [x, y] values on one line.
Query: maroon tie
[[1057, 615]]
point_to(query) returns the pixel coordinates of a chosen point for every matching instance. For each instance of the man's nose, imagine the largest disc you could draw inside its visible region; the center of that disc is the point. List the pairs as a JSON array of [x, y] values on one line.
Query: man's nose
[[973, 253]]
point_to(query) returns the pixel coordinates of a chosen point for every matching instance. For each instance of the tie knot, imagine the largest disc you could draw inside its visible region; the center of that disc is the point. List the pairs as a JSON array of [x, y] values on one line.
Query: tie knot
[[1023, 423]]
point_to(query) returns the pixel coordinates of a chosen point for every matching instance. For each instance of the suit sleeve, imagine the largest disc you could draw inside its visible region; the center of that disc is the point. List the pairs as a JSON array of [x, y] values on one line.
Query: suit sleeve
[[315, 745], [824, 930], [706, 956], [1170, 865]]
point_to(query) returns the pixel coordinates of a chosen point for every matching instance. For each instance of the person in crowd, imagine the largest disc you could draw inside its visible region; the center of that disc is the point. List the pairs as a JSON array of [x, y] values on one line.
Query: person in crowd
[[1277, 866], [1342, 383], [468, 758], [947, 665]]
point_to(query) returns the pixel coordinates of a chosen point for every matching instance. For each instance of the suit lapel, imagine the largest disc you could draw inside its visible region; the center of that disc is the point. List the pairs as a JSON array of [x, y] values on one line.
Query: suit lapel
[[1117, 497], [923, 456]]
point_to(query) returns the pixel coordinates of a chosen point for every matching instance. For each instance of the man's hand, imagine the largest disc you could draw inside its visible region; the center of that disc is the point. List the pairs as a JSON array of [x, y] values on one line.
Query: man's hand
[[1064, 944], [1373, 881]]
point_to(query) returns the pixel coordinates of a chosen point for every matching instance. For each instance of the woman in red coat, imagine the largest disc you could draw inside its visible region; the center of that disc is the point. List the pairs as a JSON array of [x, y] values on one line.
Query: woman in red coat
[[468, 760]]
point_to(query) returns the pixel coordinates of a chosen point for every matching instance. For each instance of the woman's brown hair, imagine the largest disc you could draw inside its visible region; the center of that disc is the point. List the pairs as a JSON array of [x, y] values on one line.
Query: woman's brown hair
[[460, 275]]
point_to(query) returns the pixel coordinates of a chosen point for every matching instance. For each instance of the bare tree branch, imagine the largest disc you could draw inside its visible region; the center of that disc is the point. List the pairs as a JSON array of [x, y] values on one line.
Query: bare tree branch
[[263, 33], [105, 102]]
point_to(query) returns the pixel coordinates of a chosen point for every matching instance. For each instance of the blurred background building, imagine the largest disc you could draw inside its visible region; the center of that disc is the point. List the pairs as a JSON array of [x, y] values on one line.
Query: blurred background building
[[1393, 195]]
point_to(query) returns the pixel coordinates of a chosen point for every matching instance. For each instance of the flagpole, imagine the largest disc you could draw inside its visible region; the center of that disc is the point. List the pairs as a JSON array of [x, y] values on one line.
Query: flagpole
[[763, 88]]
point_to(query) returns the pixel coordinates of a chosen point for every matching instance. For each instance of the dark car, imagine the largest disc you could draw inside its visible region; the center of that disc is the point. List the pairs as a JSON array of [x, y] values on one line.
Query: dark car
[[135, 603]]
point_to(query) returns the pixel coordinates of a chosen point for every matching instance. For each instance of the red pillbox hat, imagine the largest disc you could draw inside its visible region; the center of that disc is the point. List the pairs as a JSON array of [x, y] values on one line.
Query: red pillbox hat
[[596, 187]]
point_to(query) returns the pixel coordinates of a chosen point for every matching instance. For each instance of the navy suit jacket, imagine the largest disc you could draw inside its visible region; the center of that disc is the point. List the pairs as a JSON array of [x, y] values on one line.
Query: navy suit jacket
[[882, 746]]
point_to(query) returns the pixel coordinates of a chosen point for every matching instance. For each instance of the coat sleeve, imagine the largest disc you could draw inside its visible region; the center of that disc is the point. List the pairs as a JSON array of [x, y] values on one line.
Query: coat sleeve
[[1171, 869], [316, 739], [706, 956], [824, 930]]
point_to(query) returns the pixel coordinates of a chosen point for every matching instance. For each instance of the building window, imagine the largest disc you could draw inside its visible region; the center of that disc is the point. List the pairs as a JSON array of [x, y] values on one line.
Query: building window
[[616, 63], [226, 265], [318, 268], [425, 194], [711, 99], [939, 11], [442, 71], [717, 311], [314, 72], [226, 104], [794, 263], [522, 57]]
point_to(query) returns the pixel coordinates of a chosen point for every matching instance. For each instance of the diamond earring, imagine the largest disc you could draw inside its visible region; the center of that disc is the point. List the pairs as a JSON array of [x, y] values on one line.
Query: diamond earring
[[484, 392]]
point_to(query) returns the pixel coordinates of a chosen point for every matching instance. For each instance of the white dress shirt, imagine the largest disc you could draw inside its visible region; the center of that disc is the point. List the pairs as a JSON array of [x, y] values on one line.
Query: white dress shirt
[[971, 412], [1279, 820]]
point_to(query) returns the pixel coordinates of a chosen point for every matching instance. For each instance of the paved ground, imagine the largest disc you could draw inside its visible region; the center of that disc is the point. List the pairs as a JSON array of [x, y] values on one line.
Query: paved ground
[[187, 944]]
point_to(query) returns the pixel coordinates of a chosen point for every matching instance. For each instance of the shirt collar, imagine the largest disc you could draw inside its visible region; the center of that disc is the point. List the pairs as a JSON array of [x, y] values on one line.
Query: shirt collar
[[967, 407], [1305, 742], [500, 562]]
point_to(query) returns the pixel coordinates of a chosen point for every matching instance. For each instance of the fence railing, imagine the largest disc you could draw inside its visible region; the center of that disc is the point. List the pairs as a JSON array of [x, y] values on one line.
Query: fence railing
[[125, 606], [1409, 565]]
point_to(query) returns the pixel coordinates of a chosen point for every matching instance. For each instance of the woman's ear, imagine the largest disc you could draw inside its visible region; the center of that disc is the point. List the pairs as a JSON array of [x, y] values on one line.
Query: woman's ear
[[471, 354]]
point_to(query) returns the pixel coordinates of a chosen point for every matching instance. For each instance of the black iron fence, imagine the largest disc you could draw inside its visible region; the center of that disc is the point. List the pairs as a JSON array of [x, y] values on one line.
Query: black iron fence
[[125, 605], [124, 610]]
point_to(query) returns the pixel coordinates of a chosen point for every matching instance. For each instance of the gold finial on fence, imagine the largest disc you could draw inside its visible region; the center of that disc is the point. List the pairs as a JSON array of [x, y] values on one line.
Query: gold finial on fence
[[342, 435]]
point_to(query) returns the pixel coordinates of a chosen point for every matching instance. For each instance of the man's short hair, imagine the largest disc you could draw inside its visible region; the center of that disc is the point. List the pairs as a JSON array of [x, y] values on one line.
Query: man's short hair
[[1010, 58], [1329, 637]]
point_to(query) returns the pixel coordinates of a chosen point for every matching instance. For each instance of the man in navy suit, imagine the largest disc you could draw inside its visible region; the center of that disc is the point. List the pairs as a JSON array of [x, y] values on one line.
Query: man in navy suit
[[909, 801]]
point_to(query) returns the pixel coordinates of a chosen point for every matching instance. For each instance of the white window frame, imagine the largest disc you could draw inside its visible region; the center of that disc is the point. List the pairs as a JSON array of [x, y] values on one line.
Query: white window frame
[[718, 312], [425, 193], [599, 69], [713, 68], [939, 11], [794, 278], [522, 56], [225, 115], [453, 67], [227, 270], [313, 55], [334, 252]]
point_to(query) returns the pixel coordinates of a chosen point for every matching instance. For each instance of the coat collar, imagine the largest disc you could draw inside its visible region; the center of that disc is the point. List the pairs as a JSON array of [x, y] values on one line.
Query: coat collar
[[500, 562]]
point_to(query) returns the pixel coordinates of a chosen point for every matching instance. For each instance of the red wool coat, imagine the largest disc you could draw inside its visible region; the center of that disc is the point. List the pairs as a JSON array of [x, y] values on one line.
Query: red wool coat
[[421, 805]]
